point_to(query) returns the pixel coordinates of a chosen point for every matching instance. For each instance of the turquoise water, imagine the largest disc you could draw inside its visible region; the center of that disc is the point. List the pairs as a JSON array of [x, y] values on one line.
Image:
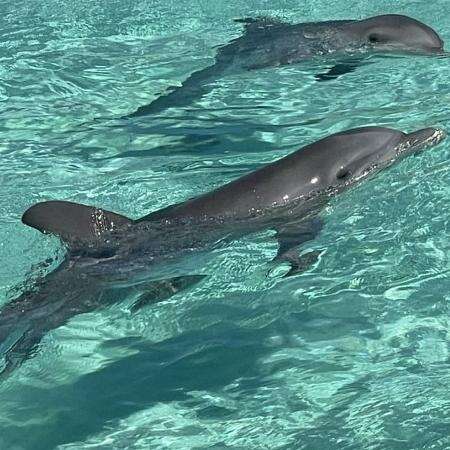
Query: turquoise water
[[353, 354]]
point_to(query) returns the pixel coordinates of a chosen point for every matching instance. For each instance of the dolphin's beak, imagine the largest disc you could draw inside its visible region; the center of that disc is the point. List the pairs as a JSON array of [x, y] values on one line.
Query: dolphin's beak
[[420, 140]]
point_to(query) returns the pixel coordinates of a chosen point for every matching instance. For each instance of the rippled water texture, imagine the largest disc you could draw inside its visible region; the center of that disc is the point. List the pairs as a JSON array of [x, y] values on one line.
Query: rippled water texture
[[353, 354]]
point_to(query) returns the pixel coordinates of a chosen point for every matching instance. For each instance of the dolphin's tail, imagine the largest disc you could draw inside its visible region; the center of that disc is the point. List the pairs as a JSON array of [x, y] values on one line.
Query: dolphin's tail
[[64, 294], [20, 333], [49, 304], [19, 349], [193, 88]]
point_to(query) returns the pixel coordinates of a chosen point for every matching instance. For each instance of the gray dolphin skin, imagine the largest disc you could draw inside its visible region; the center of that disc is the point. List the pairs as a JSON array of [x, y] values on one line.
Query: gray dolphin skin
[[110, 257], [271, 43]]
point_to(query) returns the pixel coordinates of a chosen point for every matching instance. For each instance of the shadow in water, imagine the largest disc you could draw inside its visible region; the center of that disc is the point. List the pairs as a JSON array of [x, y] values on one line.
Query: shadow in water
[[207, 359], [188, 134], [167, 371]]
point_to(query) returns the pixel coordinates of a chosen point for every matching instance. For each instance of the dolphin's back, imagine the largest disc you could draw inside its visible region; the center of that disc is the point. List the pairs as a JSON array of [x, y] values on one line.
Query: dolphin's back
[[265, 43], [269, 43], [273, 185]]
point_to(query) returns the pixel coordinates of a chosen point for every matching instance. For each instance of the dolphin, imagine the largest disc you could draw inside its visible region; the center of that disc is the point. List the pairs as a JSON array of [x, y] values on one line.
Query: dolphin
[[271, 43], [110, 256]]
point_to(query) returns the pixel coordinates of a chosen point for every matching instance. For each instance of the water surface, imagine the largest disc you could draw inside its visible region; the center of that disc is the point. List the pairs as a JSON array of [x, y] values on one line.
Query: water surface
[[353, 354]]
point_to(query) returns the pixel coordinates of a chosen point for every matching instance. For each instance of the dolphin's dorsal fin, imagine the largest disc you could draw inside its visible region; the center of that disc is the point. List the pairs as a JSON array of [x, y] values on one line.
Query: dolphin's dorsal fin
[[253, 24], [72, 222]]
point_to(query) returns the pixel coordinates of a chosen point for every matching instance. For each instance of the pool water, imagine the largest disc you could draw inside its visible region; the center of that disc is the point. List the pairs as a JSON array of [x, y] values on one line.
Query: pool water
[[352, 354]]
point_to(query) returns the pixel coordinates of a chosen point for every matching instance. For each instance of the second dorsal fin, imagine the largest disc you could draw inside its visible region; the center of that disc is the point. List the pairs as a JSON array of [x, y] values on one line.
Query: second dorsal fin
[[72, 222]]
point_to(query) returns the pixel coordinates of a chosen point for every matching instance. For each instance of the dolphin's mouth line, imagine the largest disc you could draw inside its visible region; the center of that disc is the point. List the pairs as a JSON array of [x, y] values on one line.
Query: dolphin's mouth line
[[403, 51]]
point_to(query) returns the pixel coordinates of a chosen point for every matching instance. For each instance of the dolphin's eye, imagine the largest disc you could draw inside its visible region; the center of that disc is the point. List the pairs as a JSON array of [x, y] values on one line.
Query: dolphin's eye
[[373, 39], [343, 174]]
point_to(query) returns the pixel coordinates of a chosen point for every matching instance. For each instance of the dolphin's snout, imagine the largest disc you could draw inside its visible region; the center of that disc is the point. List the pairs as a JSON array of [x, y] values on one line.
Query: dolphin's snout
[[424, 138], [429, 134]]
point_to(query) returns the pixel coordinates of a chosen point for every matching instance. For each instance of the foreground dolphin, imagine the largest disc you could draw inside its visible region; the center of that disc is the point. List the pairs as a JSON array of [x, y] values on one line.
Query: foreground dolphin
[[271, 43], [109, 255]]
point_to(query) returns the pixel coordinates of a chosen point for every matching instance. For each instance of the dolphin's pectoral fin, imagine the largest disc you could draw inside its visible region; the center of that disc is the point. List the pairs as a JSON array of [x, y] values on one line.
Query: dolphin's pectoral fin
[[300, 263], [160, 290], [290, 237], [338, 70], [294, 234]]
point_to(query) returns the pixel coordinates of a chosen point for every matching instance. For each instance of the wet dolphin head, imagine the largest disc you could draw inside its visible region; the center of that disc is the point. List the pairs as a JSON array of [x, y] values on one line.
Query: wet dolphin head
[[325, 167], [353, 155], [394, 32]]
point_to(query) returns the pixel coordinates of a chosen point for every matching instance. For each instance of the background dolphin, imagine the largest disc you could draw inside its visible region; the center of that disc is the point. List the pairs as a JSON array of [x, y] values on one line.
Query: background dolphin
[[271, 43], [110, 256]]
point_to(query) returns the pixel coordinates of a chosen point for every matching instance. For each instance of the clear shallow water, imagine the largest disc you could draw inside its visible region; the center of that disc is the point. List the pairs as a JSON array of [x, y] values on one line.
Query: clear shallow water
[[353, 354]]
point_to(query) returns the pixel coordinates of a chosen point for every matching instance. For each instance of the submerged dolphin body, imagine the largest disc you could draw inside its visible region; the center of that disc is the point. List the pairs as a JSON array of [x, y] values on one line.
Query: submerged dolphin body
[[110, 255], [271, 43]]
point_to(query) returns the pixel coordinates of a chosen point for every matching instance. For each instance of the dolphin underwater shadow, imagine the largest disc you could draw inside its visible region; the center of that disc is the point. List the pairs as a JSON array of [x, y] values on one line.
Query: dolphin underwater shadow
[[269, 43], [139, 381], [109, 255]]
